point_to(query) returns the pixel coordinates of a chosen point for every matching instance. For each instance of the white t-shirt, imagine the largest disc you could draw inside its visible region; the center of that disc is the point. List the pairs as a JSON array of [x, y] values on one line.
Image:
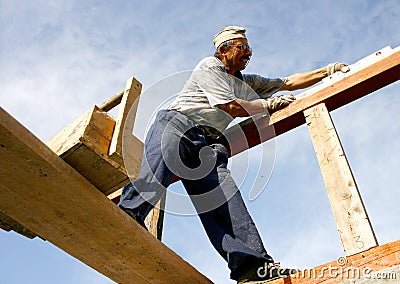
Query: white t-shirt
[[210, 85]]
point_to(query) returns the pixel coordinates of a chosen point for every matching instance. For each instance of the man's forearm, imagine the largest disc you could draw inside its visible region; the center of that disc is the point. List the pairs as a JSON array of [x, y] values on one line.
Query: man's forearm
[[242, 108], [307, 79], [304, 79]]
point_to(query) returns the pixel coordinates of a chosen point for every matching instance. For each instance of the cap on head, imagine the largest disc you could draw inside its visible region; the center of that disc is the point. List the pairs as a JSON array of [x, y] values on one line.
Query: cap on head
[[228, 33]]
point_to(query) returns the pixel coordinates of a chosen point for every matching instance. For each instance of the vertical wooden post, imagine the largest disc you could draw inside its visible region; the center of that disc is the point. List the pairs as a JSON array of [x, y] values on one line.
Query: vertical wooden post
[[129, 103], [353, 225], [155, 220], [133, 153]]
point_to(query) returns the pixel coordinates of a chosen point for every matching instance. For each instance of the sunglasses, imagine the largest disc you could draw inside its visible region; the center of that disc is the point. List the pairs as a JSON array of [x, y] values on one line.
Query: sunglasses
[[243, 47]]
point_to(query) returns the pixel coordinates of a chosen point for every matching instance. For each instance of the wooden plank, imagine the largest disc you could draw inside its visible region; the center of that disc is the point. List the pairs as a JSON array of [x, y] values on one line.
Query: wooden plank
[[126, 115], [250, 133], [84, 144], [128, 150], [97, 169], [155, 220], [112, 102], [70, 136], [132, 156], [8, 224], [362, 266], [94, 129], [352, 221], [43, 193]]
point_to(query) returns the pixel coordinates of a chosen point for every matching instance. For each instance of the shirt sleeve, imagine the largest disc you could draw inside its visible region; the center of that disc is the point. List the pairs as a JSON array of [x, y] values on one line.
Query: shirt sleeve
[[264, 87]]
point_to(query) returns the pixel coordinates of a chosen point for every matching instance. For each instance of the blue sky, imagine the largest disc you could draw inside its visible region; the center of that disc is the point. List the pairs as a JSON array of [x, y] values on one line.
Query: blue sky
[[58, 58]]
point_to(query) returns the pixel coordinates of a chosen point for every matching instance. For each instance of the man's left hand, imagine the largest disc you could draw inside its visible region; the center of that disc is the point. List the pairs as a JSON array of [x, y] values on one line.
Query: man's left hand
[[335, 67]]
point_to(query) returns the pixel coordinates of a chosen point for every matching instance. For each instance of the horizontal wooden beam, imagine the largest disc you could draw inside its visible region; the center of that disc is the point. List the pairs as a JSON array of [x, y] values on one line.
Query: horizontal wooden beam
[[43, 193], [376, 265], [252, 132], [8, 224]]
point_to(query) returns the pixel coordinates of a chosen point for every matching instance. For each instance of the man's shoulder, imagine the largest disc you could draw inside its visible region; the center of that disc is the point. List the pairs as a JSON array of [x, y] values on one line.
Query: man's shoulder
[[209, 62]]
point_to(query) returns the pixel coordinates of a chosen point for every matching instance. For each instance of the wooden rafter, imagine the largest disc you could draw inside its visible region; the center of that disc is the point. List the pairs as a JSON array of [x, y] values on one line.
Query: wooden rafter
[[251, 132]]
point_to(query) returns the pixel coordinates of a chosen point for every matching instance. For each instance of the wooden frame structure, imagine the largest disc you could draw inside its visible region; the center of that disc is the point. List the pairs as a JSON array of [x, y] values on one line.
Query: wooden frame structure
[[44, 194], [92, 144]]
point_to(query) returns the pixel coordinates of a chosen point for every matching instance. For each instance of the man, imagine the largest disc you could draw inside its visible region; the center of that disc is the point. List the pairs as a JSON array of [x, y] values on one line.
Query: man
[[186, 140]]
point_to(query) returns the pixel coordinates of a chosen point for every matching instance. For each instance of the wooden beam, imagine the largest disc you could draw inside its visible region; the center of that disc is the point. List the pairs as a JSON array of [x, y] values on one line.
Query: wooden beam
[[376, 265], [128, 105], [352, 221], [112, 102], [155, 220], [84, 145], [8, 224], [43, 193], [252, 132]]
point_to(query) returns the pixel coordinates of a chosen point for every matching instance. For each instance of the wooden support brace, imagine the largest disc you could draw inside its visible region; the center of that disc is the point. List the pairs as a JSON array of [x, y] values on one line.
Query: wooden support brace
[[126, 115], [354, 227], [124, 148], [92, 144], [155, 220]]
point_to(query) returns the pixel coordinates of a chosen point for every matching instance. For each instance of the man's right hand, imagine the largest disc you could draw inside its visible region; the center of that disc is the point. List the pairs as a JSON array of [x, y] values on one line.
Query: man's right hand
[[276, 103]]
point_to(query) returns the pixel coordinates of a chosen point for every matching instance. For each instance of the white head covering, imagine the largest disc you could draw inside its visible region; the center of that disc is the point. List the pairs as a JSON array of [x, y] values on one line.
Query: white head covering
[[228, 33]]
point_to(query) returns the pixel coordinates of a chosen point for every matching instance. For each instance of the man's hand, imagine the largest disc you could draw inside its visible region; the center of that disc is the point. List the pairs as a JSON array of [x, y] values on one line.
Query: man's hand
[[243, 108], [335, 67], [276, 103]]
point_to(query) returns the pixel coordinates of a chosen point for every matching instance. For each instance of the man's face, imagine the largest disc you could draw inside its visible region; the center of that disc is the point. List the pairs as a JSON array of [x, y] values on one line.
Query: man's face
[[238, 55]]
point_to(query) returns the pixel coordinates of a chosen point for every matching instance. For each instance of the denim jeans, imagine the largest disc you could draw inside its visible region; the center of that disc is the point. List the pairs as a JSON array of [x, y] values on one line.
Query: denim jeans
[[176, 145]]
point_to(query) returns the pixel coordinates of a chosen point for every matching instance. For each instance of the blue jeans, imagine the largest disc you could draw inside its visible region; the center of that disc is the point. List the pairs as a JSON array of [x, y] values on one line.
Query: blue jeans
[[176, 145]]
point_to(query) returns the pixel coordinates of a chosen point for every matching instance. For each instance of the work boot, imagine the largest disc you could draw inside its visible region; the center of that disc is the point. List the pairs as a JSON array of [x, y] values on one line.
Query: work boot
[[268, 272]]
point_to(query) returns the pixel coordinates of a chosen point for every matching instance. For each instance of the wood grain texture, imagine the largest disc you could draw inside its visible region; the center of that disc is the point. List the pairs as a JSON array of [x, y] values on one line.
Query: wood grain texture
[[84, 144], [352, 221], [347, 270]]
